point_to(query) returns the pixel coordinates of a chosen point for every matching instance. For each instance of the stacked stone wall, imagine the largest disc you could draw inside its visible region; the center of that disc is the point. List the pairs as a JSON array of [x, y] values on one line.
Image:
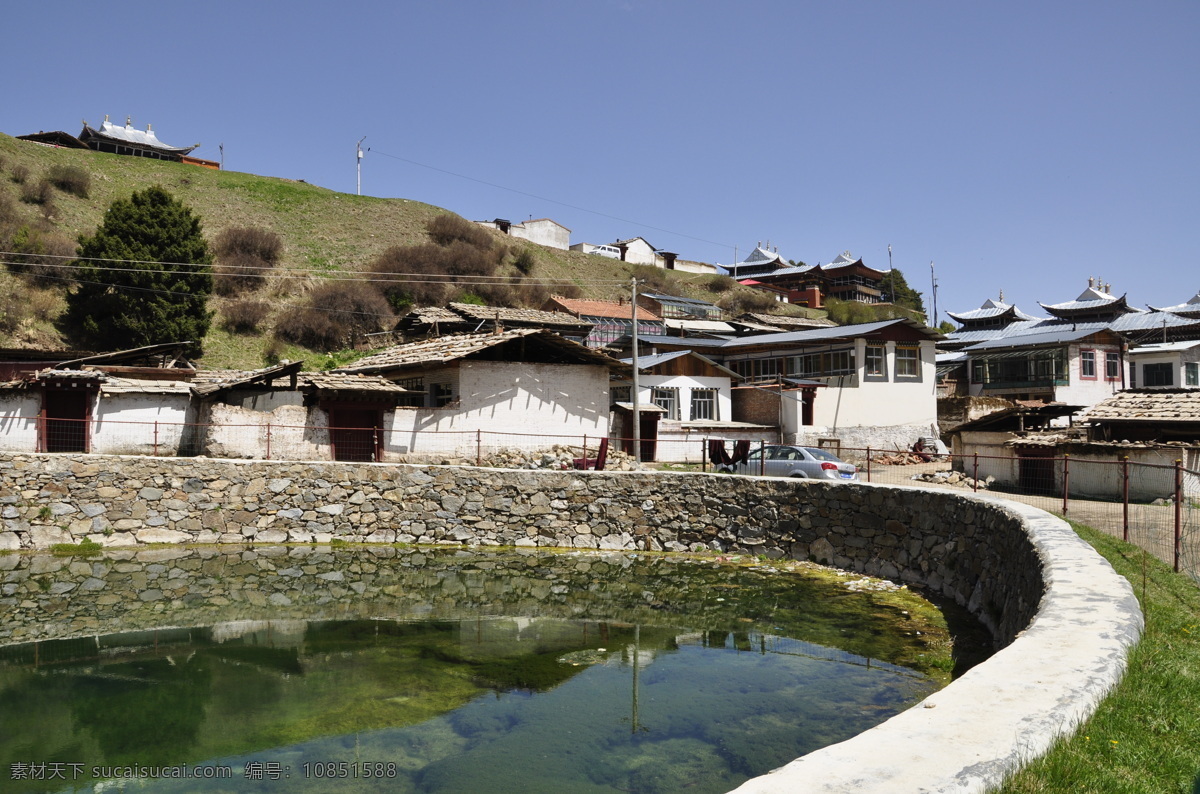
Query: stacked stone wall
[[975, 553]]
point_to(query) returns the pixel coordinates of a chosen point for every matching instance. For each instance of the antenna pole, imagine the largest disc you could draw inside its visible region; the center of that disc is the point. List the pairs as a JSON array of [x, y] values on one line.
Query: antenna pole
[[933, 278], [358, 150]]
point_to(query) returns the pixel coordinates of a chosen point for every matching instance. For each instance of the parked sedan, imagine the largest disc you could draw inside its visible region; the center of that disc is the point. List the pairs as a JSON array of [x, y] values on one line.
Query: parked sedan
[[787, 461]]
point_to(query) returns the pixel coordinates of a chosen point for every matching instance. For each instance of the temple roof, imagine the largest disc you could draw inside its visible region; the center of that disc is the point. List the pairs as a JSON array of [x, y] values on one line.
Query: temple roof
[[1093, 300], [131, 137], [990, 309], [1191, 308]]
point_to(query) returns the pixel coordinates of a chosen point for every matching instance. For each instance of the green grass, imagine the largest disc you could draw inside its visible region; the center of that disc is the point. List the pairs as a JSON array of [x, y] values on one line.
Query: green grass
[[1145, 736]]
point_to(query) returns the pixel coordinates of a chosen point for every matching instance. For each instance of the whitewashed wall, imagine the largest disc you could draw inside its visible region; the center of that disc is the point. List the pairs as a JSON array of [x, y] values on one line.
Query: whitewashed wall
[[140, 424], [685, 384], [543, 232], [1091, 391], [290, 432], [18, 421]]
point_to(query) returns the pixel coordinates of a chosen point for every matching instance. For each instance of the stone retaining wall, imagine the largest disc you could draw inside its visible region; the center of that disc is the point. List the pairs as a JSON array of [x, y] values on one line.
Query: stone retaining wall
[[1021, 571]]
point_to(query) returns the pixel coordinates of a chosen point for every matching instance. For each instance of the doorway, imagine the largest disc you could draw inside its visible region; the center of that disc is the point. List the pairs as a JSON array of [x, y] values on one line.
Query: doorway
[[356, 434], [65, 426]]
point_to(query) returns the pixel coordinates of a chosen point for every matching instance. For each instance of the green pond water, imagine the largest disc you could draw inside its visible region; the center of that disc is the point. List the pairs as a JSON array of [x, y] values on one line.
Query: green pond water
[[462, 671]]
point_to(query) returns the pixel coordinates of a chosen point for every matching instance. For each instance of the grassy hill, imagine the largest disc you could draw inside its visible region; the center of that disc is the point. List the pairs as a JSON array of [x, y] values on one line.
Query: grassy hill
[[324, 234]]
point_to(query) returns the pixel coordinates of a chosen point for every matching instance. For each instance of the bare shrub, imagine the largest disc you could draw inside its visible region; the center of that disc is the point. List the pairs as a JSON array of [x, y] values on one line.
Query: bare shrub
[[21, 305], [426, 275], [19, 173], [524, 261], [656, 279], [10, 220], [39, 192], [244, 257], [747, 300], [446, 229], [720, 283], [71, 179], [338, 314], [40, 254], [244, 316]]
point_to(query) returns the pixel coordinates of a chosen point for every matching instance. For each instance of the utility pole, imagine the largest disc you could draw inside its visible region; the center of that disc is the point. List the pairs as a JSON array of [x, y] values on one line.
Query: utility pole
[[637, 418], [358, 159]]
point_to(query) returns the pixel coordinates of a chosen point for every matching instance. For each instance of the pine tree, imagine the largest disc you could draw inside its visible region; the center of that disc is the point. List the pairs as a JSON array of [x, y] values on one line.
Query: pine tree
[[144, 277]]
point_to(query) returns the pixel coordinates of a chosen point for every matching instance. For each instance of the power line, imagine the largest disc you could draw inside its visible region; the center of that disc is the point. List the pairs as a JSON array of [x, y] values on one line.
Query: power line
[[552, 201]]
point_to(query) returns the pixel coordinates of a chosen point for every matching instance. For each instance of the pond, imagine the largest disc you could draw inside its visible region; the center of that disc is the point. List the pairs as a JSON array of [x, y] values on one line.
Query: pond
[[401, 669]]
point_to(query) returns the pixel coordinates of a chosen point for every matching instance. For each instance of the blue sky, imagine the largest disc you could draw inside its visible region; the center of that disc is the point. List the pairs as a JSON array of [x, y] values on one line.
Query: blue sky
[[1020, 146]]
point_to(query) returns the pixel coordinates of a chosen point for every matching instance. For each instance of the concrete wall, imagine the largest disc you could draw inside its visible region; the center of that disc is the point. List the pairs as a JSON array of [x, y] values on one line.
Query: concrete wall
[[1064, 619], [122, 424]]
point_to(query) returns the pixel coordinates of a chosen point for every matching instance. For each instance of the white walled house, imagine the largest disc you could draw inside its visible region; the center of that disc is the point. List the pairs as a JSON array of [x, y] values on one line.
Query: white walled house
[[1165, 365], [524, 388], [871, 384], [542, 231]]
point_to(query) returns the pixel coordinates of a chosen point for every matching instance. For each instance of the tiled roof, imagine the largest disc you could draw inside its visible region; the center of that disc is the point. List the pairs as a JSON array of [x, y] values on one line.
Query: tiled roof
[[339, 381], [595, 308], [144, 386], [1146, 405], [782, 321], [444, 349], [508, 315]]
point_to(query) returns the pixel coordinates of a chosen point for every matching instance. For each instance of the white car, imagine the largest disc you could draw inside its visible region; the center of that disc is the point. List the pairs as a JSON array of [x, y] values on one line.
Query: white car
[[811, 463]]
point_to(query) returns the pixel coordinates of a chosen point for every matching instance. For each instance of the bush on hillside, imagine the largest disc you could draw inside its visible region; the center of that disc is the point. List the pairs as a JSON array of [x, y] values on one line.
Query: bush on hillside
[[524, 261], [244, 258], [19, 173], [71, 179], [720, 283], [656, 279], [22, 304], [338, 315], [244, 316], [11, 219], [40, 254], [426, 275], [741, 301], [40, 192], [447, 229]]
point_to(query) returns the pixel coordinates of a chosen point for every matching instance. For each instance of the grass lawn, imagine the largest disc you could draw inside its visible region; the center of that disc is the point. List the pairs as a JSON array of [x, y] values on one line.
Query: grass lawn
[[1145, 737]]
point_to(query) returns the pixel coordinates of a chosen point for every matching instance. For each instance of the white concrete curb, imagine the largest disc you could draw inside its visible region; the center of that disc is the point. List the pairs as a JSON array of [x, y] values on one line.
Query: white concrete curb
[[1007, 710]]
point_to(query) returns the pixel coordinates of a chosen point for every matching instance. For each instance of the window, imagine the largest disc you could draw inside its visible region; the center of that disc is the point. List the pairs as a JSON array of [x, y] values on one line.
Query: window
[[876, 362], [1087, 364], [441, 394], [704, 405], [1112, 366], [619, 394], [1191, 374], [1158, 374], [667, 398], [908, 362]]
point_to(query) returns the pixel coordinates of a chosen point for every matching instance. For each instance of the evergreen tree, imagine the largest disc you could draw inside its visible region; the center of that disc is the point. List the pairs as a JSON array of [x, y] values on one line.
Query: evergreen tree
[[144, 277], [900, 293]]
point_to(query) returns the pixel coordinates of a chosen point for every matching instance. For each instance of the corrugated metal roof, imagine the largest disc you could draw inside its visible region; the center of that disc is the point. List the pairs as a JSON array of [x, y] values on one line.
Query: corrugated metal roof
[[1164, 347], [1149, 321], [709, 326], [1066, 332], [146, 137]]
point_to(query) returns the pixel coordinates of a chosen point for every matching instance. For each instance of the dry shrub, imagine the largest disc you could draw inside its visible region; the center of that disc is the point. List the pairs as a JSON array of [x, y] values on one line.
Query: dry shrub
[[720, 283], [40, 254], [71, 179], [244, 258], [656, 280], [524, 261], [447, 229], [11, 220], [22, 305], [19, 173], [337, 316], [39, 192], [244, 317], [426, 275], [747, 300]]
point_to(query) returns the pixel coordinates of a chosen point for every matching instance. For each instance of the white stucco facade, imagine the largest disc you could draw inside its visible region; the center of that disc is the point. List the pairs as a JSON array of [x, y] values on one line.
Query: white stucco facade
[[124, 423], [18, 421], [883, 411]]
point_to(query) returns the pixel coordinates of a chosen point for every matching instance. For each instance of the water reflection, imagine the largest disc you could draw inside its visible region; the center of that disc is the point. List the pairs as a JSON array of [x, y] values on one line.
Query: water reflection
[[455, 671]]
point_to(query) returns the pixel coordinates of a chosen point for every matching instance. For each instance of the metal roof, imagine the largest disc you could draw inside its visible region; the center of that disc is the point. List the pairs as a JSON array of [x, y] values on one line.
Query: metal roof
[[653, 360], [1164, 347], [1068, 332], [128, 134]]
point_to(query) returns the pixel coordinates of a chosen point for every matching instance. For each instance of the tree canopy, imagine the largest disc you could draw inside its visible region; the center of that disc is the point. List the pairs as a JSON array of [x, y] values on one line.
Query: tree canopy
[[144, 277], [894, 285]]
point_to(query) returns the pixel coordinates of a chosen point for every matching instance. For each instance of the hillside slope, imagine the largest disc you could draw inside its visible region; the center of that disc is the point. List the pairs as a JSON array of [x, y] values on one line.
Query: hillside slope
[[324, 234]]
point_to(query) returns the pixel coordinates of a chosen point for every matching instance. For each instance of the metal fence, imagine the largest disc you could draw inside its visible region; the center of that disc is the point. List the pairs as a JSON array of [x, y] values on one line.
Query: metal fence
[[1152, 505]]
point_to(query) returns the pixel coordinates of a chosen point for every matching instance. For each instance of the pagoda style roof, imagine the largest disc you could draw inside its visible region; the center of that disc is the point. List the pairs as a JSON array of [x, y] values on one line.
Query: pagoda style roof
[[128, 136], [990, 310], [1092, 301], [1189, 309]]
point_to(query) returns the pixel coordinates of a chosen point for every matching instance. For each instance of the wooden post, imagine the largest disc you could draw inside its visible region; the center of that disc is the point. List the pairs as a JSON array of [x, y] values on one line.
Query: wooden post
[[762, 458], [1066, 483], [1125, 498], [156, 438], [975, 473], [1178, 512], [868, 463], [478, 447], [268, 440]]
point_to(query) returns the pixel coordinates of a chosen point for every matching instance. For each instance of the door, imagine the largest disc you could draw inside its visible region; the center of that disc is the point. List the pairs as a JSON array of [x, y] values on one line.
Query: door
[[1035, 471], [353, 433], [66, 421]]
